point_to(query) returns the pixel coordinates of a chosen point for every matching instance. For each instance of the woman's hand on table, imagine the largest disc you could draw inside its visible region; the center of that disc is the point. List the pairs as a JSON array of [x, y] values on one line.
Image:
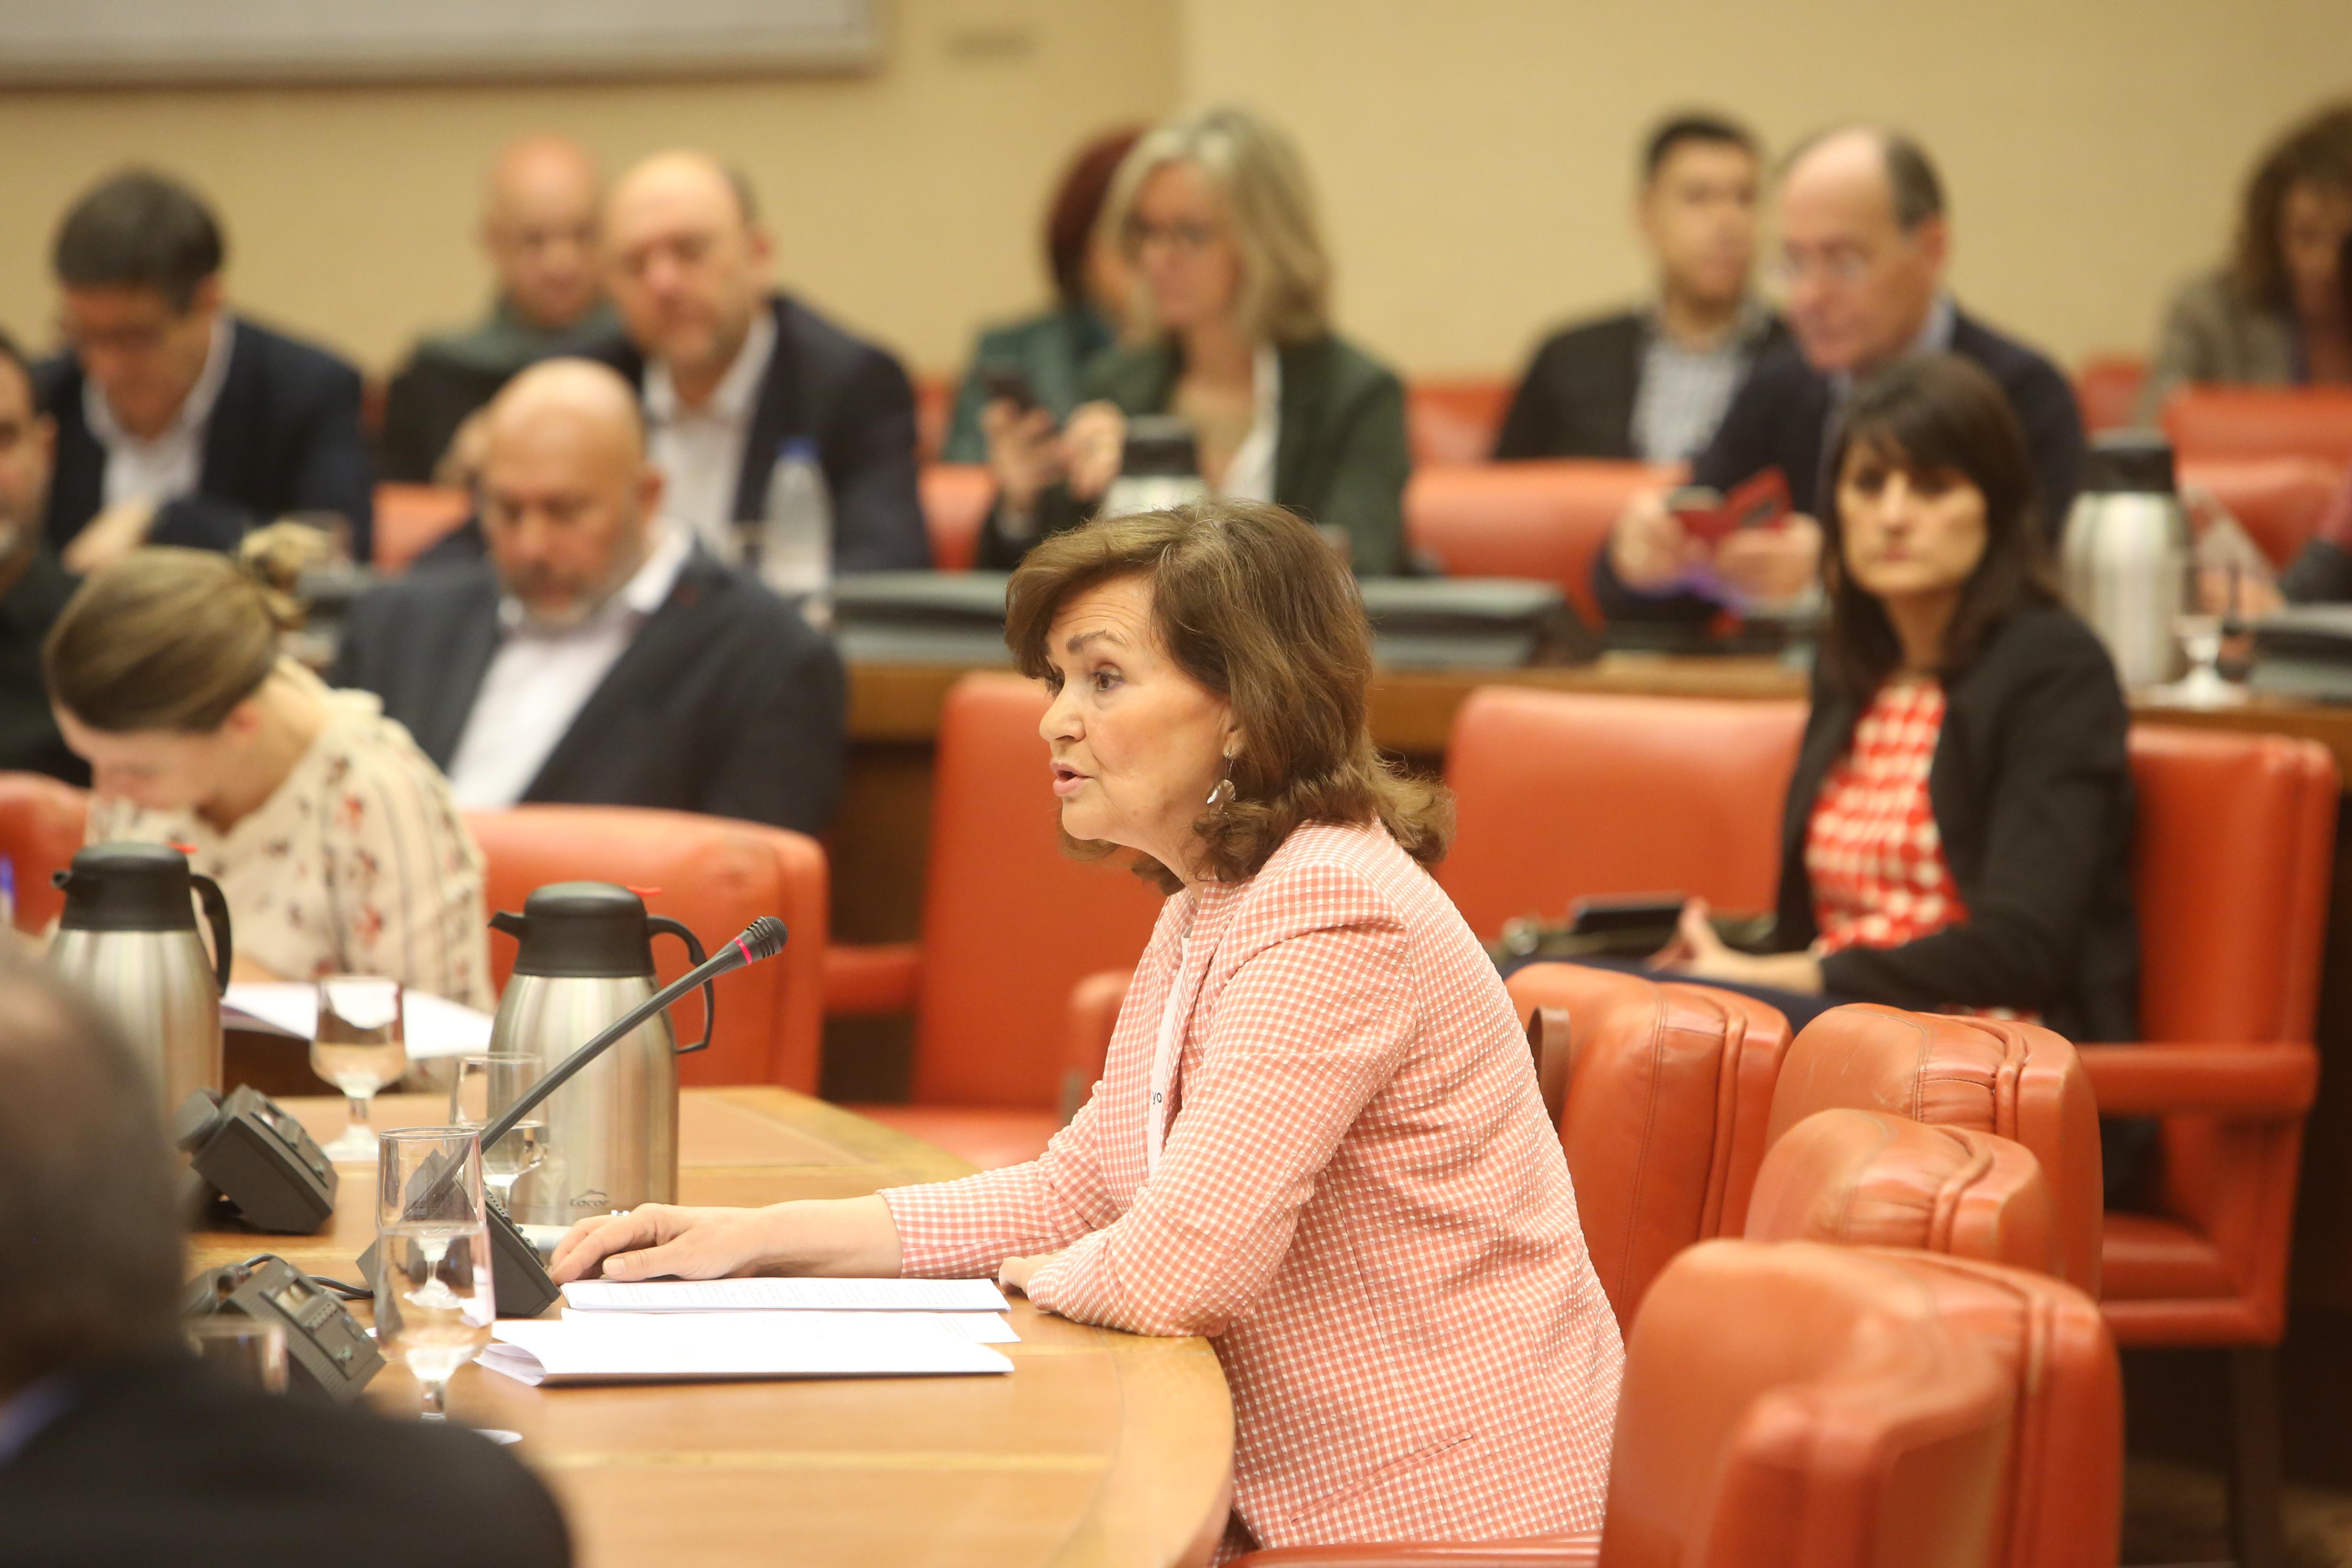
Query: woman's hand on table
[[1014, 1273], [846, 1238], [1697, 953]]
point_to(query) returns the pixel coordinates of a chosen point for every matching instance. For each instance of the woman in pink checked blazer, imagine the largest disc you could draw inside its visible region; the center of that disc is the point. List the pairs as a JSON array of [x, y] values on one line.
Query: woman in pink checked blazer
[[1318, 1139]]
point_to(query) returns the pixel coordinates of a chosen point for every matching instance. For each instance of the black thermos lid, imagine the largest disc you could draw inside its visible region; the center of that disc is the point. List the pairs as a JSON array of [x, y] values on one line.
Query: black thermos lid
[[1159, 446], [127, 887], [2134, 461], [582, 929]]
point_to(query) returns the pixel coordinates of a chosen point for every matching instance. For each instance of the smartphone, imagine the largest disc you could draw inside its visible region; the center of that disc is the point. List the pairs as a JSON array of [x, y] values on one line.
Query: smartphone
[[1759, 501], [1009, 385], [1624, 912]]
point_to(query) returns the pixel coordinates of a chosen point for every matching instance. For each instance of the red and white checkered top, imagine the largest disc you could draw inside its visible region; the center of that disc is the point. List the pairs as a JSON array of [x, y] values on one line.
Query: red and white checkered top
[[1872, 850], [1359, 1201]]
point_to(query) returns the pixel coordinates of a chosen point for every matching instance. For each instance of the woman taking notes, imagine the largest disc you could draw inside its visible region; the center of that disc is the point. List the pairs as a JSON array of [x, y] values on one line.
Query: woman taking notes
[[1318, 1138], [332, 835]]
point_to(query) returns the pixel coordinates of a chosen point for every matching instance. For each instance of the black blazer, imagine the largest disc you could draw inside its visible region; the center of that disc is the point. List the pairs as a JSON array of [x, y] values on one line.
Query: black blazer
[[1779, 418], [1577, 397], [855, 401], [2030, 787], [161, 1464], [284, 437], [726, 701]]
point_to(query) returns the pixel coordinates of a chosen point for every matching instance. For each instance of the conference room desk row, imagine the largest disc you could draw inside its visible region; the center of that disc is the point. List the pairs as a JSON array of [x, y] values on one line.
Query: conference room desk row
[[1100, 1450], [880, 839]]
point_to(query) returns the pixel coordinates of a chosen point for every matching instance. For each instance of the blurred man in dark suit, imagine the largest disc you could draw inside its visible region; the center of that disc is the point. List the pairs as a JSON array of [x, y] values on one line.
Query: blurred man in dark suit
[[116, 1446], [178, 422]]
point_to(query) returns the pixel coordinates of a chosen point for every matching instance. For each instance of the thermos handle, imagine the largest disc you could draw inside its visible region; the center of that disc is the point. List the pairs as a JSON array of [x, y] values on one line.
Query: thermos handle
[[209, 894], [664, 923]]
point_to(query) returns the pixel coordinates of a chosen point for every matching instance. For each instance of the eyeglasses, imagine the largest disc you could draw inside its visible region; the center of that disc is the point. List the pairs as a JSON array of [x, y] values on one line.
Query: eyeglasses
[[1179, 235], [139, 337], [1840, 267]]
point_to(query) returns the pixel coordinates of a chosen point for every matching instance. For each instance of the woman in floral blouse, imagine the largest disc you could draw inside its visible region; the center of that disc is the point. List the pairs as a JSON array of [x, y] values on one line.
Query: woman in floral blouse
[[332, 834]]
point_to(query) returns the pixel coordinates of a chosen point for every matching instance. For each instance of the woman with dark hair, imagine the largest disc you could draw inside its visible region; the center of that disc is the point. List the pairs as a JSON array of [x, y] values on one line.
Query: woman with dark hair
[[1051, 350], [1318, 1138], [2276, 315], [1956, 833]]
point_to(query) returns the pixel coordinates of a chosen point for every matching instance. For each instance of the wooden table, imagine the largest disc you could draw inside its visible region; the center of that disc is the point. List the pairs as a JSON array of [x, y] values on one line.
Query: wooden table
[[1101, 1448]]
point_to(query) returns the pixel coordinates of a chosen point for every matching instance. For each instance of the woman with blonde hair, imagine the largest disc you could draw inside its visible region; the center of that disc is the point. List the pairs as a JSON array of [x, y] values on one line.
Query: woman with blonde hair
[[1231, 332], [332, 834]]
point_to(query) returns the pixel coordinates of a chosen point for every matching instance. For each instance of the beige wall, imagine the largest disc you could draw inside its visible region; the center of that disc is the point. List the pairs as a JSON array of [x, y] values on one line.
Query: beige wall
[[1474, 155], [906, 202]]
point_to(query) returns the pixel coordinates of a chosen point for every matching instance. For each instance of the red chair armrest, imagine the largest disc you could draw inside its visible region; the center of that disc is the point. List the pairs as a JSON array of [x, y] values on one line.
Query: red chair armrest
[[871, 979], [2248, 1083], [1559, 1551]]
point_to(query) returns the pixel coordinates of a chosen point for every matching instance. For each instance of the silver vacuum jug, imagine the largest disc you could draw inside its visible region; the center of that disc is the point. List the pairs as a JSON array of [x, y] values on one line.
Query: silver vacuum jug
[[128, 939], [2126, 554], [586, 958]]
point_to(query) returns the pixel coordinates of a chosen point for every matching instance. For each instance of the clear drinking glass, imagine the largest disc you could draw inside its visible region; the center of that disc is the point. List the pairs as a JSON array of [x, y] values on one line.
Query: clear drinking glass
[[244, 1350], [434, 1305], [486, 1086], [359, 1047], [2209, 602]]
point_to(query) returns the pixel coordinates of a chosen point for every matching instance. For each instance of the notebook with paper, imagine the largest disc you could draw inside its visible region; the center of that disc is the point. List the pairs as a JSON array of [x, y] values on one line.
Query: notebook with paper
[[622, 1347]]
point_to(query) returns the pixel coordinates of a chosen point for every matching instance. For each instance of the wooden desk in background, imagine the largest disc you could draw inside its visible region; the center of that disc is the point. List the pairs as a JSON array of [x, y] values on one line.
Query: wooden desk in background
[[1101, 1450]]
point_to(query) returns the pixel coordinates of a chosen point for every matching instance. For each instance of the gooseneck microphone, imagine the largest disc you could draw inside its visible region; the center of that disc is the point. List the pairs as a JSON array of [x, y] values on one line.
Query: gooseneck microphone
[[764, 939]]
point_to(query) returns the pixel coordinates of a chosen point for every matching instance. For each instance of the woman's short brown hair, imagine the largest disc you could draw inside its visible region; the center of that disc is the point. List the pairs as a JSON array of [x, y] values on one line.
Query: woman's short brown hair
[[2318, 151], [1251, 603], [173, 639]]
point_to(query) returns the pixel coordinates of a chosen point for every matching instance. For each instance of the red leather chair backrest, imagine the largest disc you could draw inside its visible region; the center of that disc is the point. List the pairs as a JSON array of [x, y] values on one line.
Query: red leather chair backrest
[[2277, 500], [2107, 391], [1803, 1405], [1864, 1178], [935, 399], [1544, 520], [1009, 922], [956, 497], [1670, 1087], [1564, 795], [411, 519], [713, 875], [2260, 422], [1455, 421], [2019, 1081], [42, 822]]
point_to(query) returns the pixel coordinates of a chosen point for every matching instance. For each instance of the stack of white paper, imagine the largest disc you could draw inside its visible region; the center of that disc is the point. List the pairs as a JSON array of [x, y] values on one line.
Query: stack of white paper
[[627, 1347], [431, 1026], [785, 1295]]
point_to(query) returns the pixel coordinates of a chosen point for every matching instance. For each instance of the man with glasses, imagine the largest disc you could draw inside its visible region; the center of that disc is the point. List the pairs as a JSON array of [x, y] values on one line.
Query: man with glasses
[[1864, 245], [539, 232], [178, 422], [731, 371]]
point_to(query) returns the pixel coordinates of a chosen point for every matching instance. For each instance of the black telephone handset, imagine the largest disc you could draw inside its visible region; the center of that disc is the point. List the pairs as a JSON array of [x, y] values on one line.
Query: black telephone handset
[[248, 1151], [328, 1354]]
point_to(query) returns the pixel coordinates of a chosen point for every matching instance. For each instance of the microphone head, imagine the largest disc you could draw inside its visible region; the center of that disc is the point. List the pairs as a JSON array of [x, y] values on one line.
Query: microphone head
[[764, 937]]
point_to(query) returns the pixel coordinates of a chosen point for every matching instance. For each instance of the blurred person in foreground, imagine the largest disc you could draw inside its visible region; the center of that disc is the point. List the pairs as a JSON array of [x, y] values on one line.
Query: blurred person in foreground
[[116, 1445], [2276, 313], [538, 229], [1318, 1139], [1050, 352], [1864, 240], [1652, 382], [1230, 323], [180, 422], [34, 587], [600, 655]]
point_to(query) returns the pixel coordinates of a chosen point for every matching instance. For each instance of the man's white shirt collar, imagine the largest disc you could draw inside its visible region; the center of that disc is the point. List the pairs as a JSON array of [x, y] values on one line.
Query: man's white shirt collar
[[738, 390], [196, 410]]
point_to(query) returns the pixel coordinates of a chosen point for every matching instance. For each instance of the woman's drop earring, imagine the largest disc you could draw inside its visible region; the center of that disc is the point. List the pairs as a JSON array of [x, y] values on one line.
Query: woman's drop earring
[[1222, 791]]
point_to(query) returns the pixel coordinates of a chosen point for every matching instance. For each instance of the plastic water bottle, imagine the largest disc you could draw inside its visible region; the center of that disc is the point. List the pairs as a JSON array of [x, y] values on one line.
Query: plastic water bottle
[[795, 536]]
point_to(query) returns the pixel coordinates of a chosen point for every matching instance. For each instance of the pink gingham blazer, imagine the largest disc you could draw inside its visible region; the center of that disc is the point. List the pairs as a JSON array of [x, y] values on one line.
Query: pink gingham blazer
[[1359, 1201]]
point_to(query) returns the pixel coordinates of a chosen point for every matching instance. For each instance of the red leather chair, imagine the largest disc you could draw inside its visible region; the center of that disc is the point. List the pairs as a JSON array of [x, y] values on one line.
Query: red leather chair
[[2277, 500], [2107, 391], [42, 822], [1455, 421], [1861, 1178], [1669, 1088], [1010, 925], [2019, 1081], [714, 874], [411, 519], [1690, 792], [956, 497], [935, 399], [1544, 520], [2260, 422]]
